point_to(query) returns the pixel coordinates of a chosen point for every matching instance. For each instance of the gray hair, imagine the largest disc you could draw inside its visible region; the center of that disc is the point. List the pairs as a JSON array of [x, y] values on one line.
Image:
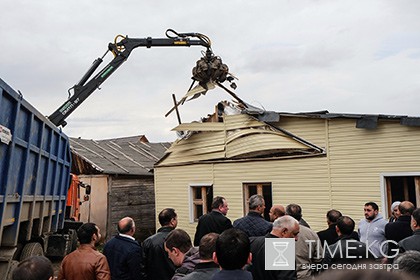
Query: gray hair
[[408, 262], [285, 222], [255, 201]]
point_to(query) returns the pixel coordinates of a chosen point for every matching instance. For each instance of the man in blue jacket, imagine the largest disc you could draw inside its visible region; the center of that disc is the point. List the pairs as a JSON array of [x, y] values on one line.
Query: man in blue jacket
[[124, 254]]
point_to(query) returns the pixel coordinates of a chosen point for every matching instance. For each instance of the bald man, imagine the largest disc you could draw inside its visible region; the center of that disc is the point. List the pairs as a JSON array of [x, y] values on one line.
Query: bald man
[[124, 254], [276, 211]]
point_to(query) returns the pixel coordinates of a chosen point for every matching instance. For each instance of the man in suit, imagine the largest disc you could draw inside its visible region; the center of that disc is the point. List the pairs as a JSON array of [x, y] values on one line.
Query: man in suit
[[124, 254], [215, 221]]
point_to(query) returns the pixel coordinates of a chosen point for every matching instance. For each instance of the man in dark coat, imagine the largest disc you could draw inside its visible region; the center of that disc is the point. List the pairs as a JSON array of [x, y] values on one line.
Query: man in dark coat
[[399, 229], [157, 264], [215, 221], [347, 249], [330, 235], [124, 254], [283, 227], [254, 224]]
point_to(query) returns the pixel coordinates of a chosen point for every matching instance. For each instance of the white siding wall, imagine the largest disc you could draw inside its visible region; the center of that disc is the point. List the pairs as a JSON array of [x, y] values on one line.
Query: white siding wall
[[345, 179]]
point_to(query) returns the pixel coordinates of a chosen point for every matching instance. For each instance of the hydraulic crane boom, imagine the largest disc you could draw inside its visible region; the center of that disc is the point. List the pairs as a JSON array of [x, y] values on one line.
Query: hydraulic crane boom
[[121, 51]]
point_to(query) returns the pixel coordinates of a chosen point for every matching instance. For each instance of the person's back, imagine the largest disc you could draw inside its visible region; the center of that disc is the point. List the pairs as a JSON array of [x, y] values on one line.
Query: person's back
[[232, 254], [206, 268], [215, 221], [85, 262], [399, 229], [124, 254], [157, 264], [254, 224], [346, 250]]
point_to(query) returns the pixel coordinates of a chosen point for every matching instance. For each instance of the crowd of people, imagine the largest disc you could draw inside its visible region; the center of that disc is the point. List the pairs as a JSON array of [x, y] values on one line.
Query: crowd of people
[[224, 250]]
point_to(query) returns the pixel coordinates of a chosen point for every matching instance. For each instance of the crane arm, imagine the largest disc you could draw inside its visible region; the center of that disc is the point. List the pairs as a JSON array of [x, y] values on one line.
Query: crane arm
[[121, 50]]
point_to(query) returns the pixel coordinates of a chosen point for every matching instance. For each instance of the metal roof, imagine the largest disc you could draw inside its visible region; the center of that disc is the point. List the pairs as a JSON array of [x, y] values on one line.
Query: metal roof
[[128, 155]]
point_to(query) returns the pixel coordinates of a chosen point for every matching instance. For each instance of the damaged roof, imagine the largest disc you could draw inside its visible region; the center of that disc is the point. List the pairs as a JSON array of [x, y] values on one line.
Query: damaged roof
[[128, 155], [234, 137], [367, 121]]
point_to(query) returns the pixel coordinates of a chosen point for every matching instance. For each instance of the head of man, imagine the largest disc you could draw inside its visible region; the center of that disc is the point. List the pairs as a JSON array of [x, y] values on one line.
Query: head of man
[[286, 227], [257, 203], [126, 226], [276, 211], [415, 220], [220, 204], [177, 244], [395, 210], [406, 208], [89, 233], [371, 210], [408, 262], [294, 210], [168, 218], [207, 247], [332, 216], [233, 249], [34, 268], [345, 226]]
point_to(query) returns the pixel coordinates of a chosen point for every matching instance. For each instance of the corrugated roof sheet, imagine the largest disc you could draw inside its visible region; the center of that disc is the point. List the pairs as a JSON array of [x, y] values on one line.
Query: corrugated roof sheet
[[128, 155], [239, 136]]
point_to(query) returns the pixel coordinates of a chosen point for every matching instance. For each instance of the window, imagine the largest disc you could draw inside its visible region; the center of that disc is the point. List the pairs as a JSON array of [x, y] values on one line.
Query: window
[[201, 198], [264, 189], [400, 187]]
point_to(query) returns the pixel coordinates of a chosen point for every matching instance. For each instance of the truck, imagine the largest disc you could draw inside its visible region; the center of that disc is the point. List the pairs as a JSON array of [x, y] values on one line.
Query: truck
[[39, 197]]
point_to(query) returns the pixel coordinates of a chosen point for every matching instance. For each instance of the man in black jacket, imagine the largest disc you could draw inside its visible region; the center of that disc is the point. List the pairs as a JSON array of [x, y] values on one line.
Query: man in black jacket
[[399, 229], [283, 227], [124, 254], [329, 235], [157, 264], [215, 221], [346, 250]]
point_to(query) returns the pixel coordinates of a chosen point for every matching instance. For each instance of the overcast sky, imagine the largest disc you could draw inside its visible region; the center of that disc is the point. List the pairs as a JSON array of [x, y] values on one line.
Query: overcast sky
[[289, 56]]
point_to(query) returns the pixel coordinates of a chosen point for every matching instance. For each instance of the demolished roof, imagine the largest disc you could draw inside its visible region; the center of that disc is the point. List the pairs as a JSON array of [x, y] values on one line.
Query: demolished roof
[[129, 155], [231, 135]]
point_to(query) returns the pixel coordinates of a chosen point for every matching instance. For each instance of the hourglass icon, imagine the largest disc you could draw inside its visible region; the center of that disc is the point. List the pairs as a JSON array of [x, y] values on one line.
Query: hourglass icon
[[281, 260]]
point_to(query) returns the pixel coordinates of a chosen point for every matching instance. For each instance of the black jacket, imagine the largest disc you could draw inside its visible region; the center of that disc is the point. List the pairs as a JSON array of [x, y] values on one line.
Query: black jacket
[[346, 250], [125, 258], [397, 231], [157, 264], [211, 222], [331, 236], [258, 262]]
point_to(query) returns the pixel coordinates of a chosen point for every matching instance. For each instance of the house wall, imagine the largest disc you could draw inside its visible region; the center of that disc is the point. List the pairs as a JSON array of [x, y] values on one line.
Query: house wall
[[134, 197], [346, 178], [95, 209]]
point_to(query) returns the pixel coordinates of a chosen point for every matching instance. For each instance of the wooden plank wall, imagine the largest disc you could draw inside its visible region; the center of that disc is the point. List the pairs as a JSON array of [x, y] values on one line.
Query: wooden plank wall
[[132, 197]]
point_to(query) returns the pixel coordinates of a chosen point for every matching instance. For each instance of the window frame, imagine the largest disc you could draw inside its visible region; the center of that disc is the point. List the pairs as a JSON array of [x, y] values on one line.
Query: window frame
[[193, 202]]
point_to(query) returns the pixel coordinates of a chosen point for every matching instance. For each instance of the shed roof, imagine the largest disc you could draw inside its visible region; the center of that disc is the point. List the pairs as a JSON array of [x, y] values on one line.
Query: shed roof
[[128, 155]]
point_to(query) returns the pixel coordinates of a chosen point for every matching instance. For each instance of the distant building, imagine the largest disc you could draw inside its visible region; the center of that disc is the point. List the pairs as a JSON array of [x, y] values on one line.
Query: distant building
[[318, 160], [120, 172]]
